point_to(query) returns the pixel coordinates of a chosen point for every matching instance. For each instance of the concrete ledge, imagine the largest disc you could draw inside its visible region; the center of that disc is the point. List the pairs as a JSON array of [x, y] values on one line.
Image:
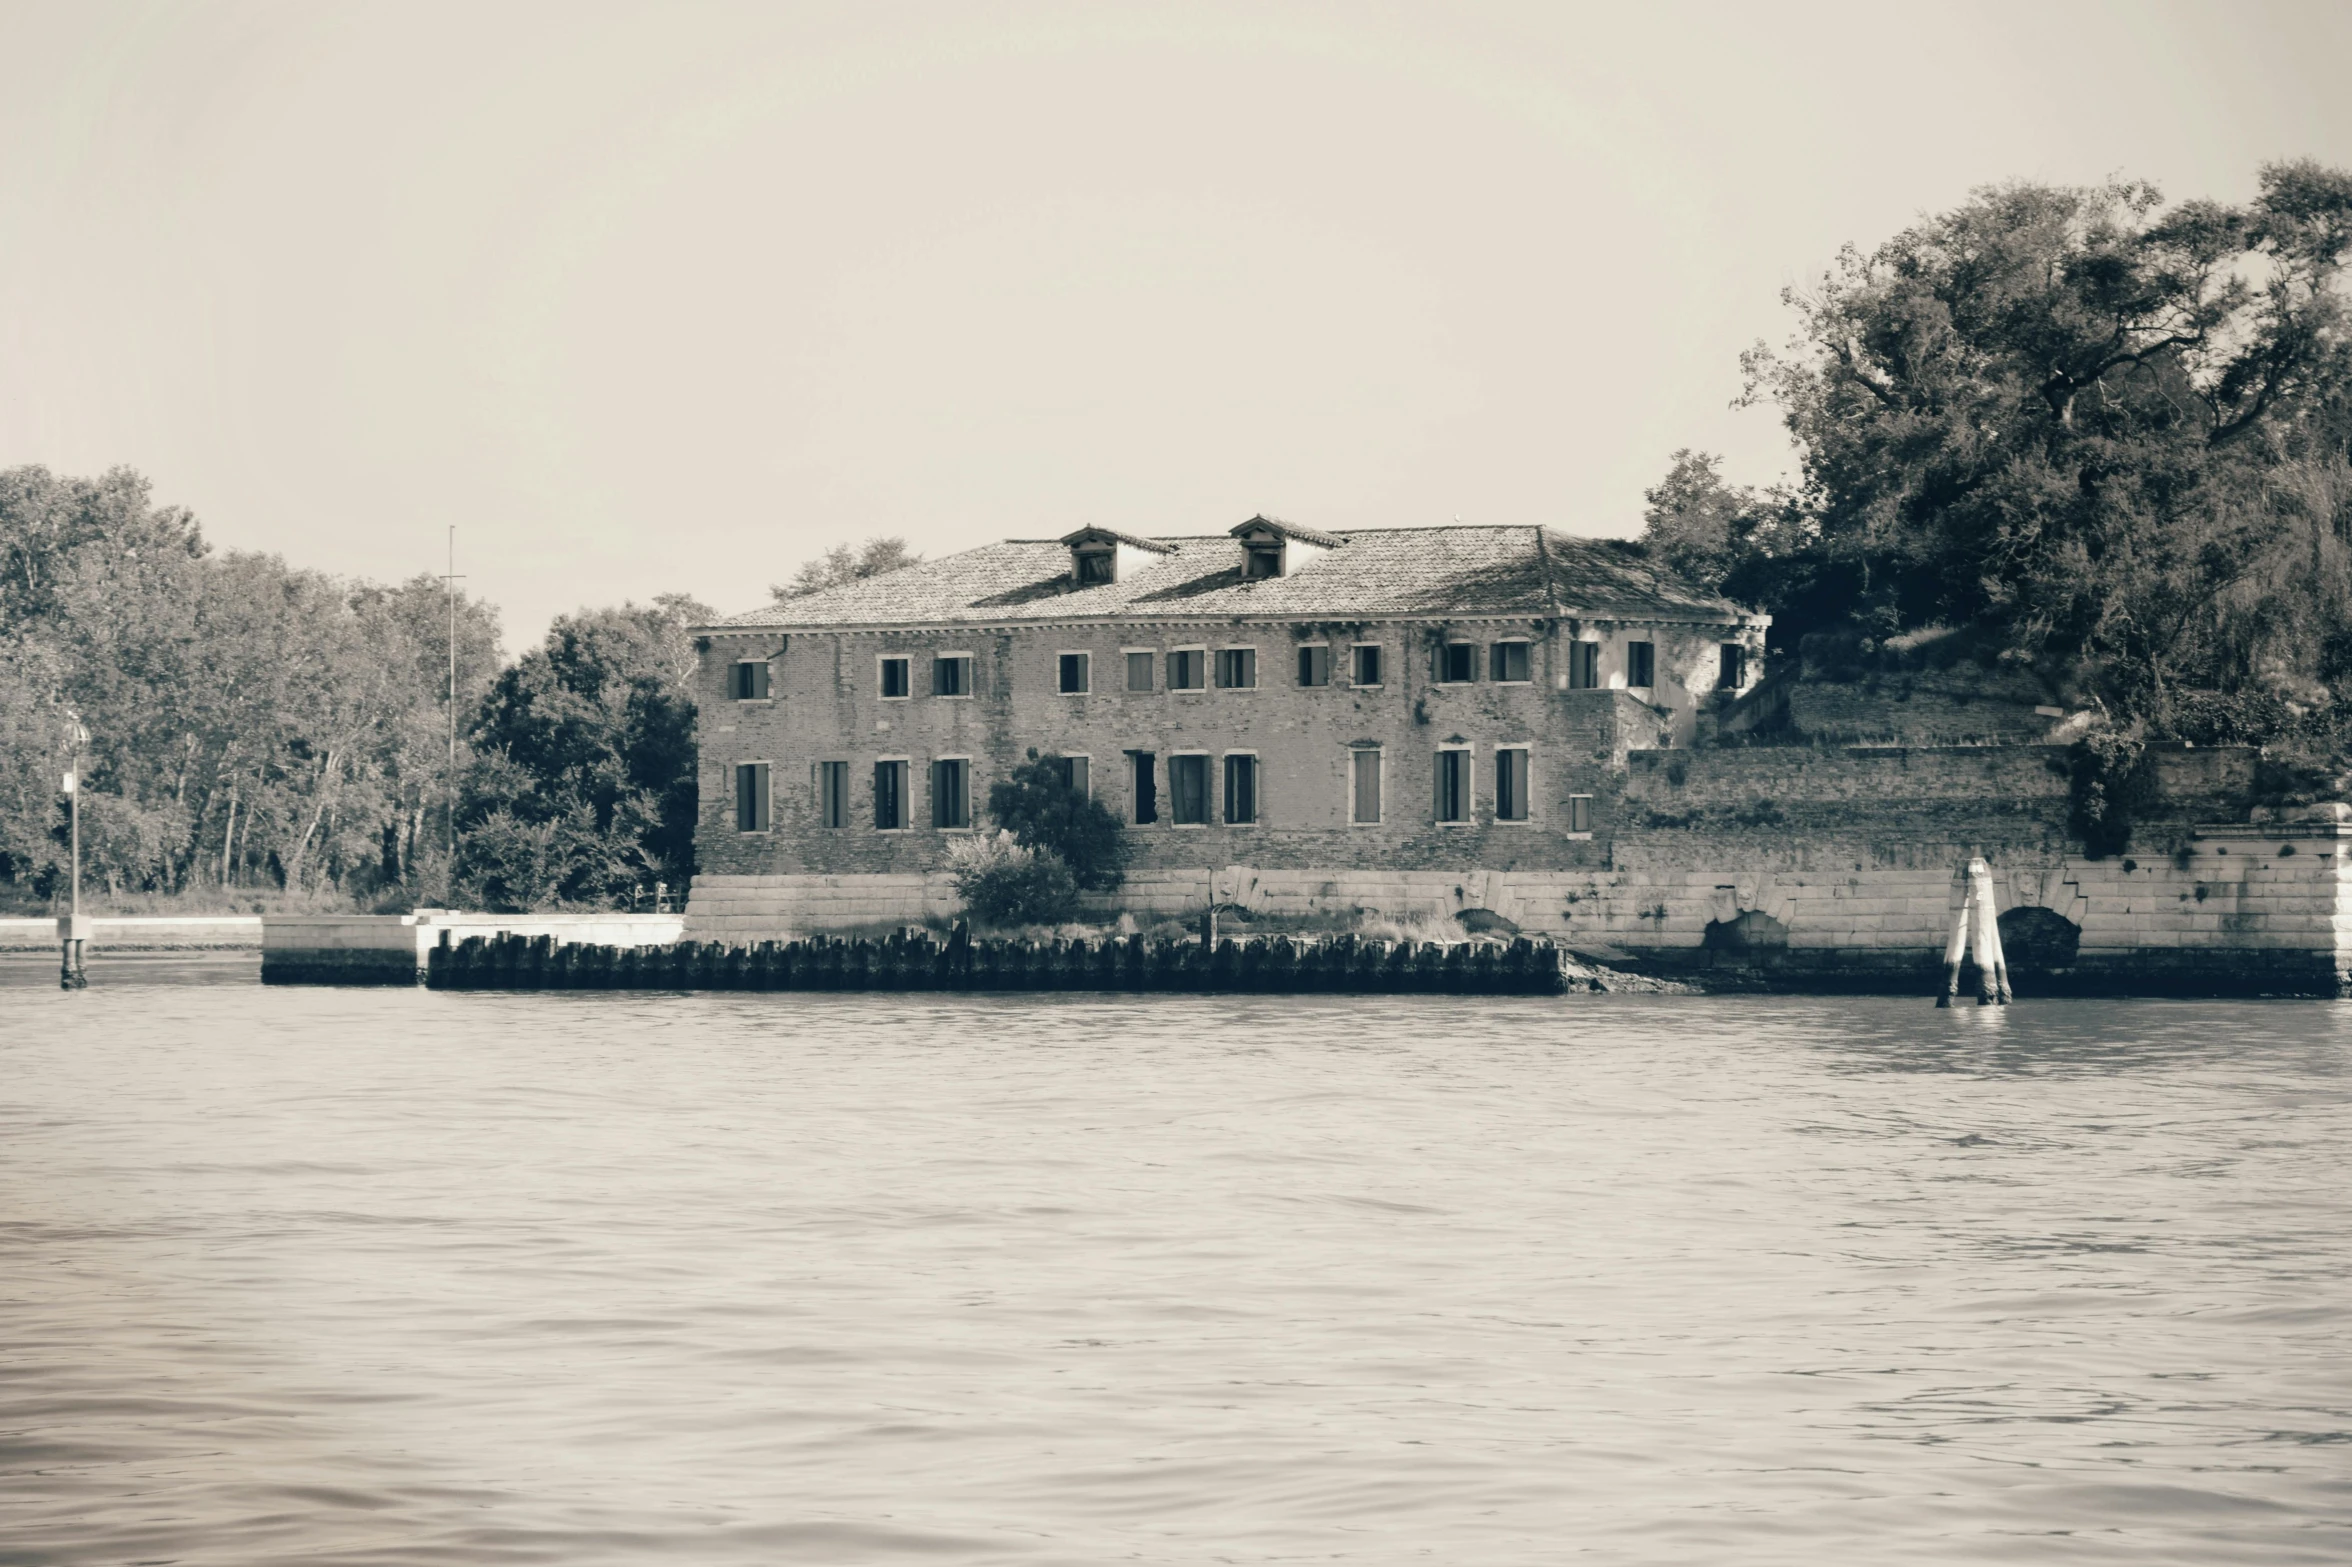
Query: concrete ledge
[[390, 949], [131, 931]]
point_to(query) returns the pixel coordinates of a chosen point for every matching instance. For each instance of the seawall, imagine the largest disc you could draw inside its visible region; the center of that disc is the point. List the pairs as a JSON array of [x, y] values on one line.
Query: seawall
[[390, 949], [1828, 869]]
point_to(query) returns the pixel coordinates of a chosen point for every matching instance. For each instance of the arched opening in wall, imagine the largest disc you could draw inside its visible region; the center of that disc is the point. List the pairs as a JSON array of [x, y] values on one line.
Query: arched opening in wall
[[1754, 934], [1486, 922], [2035, 941]]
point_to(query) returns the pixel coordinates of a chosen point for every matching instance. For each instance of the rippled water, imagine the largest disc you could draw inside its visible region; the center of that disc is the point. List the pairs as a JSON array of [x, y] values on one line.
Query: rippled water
[[325, 1277]]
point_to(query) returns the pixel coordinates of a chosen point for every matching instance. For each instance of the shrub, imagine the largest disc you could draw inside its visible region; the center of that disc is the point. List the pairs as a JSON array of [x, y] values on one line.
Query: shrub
[[1039, 808], [1004, 882], [2110, 787]]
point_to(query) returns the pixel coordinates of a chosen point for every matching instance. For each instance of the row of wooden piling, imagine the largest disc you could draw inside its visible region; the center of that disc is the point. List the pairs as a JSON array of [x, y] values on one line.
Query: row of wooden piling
[[919, 961]]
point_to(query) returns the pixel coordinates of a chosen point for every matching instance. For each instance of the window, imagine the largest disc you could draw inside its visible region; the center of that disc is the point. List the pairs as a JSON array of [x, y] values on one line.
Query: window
[[1584, 665], [1187, 669], [1241, 789], [1077, 773], [751, 681], [1641, 664], [1367, 671], [1146, 788], [1457, 663], [1453, 786], [1580, 814], [833, 794], [1364, 786], [1096, 567], [1237, 668], [1139, 671], [1077, 674], [951, 674], [1188, 789], [890, 796], [751, 797], [1314, 665], [1732, 672], [951, 803], [1507, 661], [1262, 562], [896, 679], [1511, 784]]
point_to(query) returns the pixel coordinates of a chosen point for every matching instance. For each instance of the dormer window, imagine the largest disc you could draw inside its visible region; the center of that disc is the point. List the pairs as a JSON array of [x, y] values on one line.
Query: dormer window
[[1276, 549], [1101, 556]]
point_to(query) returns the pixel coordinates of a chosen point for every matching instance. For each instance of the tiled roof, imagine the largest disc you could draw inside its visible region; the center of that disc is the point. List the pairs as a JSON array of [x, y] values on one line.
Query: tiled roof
[[1431, 573], [1134, 540], [1288, 530]]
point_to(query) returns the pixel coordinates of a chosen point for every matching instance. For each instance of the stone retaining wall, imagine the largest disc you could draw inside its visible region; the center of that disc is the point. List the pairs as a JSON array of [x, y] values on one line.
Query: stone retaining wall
[[2263, 906]]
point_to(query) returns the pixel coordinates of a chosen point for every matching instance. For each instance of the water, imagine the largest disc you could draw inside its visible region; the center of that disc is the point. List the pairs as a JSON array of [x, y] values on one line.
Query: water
[[352, 1277]]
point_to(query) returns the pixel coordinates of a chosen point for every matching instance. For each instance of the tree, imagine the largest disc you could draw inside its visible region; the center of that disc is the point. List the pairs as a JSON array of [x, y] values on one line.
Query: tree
[[2109, 434], [583, 785], [845, 563], [1038, 806], [251, 723]]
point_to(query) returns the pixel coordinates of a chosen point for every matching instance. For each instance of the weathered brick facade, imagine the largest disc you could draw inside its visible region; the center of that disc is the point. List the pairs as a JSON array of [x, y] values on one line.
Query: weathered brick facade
[[824, 704], [1017, 612]]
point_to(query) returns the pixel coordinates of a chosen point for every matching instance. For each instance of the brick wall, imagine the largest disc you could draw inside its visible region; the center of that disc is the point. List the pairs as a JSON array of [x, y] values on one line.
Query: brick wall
[[825, 705]]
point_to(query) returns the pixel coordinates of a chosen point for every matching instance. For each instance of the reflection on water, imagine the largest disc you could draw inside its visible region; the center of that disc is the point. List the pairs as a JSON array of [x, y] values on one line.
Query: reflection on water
[[304, 1276]]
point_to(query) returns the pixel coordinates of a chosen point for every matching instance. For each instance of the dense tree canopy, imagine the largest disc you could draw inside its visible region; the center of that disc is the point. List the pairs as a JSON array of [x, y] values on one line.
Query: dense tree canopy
[[2105, 436], [250, 724], [583, 785], [258, 728]]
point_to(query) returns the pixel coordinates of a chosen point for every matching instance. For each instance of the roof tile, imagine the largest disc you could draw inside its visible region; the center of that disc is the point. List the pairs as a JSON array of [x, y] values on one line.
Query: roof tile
[[1382, 572]]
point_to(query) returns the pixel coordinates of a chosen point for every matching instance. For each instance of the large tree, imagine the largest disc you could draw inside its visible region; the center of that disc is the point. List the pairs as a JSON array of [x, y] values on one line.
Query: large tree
[[2109, 434], [584, 787]]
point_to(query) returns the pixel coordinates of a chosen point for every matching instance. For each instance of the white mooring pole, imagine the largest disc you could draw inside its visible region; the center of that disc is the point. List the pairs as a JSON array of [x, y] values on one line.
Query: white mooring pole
[[74, 930], [1975, 923]]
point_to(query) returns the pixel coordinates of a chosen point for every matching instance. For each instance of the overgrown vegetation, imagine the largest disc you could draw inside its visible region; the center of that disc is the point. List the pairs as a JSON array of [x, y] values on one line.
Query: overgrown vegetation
[[1038, 805], [2077, 432], [1054, 839], [1007, 883]]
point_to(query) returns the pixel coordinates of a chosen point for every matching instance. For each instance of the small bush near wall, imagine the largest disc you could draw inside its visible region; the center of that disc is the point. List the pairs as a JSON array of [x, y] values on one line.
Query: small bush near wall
[[1040, 806], [1005, 883]]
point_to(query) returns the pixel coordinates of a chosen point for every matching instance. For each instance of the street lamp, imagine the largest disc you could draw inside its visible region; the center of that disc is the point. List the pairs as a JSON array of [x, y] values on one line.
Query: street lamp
[[73, 930]]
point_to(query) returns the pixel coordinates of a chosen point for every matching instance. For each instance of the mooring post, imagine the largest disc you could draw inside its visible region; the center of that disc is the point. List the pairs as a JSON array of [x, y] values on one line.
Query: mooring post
[[74, 929], [1975, 924]]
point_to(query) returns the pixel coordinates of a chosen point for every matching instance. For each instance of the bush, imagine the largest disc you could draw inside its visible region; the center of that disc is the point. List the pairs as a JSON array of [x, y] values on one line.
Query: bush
[[2110, 787], [1039, 808], [1003, 882]]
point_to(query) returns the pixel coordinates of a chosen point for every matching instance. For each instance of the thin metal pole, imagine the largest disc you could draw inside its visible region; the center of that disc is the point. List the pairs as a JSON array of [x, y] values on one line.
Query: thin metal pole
[[449, 871], [74, 811], [69, 972]]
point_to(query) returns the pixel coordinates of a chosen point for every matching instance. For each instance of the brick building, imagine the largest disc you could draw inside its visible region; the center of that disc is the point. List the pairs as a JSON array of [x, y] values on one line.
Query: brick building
[[1458, 699]]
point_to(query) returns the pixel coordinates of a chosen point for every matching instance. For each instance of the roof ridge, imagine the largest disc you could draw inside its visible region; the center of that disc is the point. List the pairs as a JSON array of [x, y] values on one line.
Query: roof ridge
[[1551, 577]]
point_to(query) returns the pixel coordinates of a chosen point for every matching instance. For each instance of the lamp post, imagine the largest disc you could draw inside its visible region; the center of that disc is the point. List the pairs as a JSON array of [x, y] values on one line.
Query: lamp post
[[74, 930]]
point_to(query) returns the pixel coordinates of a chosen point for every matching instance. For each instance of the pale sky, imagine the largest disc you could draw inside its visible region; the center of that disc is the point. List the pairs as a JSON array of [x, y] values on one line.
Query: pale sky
[[673, 296]]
